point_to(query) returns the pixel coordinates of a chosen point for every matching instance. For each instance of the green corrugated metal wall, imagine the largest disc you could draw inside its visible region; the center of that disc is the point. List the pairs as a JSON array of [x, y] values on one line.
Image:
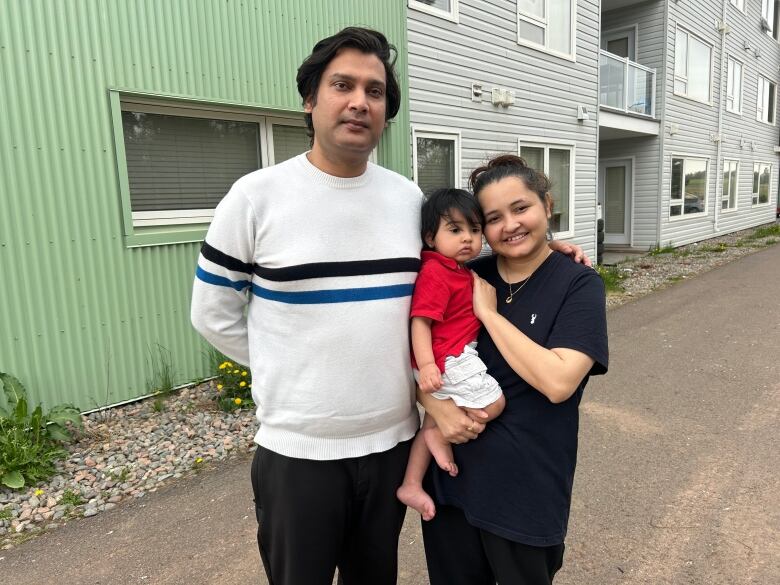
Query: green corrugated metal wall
[[78, 307]]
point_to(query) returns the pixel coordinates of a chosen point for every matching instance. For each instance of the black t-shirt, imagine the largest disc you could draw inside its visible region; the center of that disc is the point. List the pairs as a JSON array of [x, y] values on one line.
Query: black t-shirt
[[516, 479]]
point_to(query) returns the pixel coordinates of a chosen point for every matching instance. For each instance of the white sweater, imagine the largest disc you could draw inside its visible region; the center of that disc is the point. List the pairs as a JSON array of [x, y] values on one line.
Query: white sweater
[[307, 278]]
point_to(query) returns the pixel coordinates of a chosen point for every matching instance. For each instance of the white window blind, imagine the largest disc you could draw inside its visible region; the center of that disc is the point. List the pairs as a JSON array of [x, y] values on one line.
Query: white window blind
[[289, 141], [176, 162], [734, 86]]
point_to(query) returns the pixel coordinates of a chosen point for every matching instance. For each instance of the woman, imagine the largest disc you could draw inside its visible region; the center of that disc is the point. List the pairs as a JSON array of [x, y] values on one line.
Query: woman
[[503, 519]]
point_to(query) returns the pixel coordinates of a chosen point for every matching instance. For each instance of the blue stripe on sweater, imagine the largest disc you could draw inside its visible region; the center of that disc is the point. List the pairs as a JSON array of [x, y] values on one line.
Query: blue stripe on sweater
[[311, 297], [221, 280], [344, 295]]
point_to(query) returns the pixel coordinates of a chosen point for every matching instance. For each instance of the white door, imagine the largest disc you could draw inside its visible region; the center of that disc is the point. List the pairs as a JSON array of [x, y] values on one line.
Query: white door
[[615, 181]]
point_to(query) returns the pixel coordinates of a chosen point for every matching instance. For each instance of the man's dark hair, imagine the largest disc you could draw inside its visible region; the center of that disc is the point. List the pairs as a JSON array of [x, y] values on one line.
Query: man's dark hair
[[364, 40], [441, 203]]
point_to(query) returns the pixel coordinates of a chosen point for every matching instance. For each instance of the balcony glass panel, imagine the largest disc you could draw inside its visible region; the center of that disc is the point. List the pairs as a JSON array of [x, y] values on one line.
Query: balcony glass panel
[[626, 85]]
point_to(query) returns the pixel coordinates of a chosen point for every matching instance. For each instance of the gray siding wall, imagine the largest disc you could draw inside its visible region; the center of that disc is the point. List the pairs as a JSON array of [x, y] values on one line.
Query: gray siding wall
[[445, 58], [697, 121], [646, 151]]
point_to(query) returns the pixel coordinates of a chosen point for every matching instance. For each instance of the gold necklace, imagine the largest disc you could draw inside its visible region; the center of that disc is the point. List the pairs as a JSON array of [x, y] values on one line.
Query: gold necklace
[[519, 288]]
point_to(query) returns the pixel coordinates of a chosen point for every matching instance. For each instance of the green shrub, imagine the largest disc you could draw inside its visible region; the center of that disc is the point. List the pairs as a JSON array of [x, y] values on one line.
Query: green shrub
[[658, 250], [234, 386], [30, 440]]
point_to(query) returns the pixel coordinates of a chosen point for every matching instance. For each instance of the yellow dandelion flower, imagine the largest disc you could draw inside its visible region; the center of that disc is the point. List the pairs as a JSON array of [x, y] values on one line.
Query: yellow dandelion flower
[[244, 373], [223, 365], [229, 364], [38, 492], [219, 387], [237, 401], [242, 384], [235, 371], [250, 384], [199, 460]]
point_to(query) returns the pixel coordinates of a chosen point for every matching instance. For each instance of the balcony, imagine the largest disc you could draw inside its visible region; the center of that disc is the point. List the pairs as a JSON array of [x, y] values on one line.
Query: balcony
[[627, 98]]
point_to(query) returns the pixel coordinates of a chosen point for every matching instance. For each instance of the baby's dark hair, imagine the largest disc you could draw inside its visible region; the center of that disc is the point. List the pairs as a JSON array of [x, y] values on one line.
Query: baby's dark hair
[[441, 203], [510, 165]]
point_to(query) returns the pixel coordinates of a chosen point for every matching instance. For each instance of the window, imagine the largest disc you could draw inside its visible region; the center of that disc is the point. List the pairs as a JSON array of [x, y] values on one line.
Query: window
[[769, 15], [689, 187], [557, 162], [436, 159], [762, 173], [547, 24], [444, 8], [692, 67], [740, 4], [734, 87], [767, 93], [177, 160], [728, 197]]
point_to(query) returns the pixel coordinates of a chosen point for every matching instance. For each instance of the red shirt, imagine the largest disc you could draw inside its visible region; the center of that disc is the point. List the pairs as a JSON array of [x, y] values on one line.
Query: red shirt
[[443, 293]]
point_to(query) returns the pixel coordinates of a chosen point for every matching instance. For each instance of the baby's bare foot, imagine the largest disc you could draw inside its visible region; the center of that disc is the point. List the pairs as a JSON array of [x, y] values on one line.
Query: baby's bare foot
[[415, 497]]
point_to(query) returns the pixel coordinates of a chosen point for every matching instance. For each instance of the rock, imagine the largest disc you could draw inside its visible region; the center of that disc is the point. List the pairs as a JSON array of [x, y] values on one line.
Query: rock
[[89, 512]]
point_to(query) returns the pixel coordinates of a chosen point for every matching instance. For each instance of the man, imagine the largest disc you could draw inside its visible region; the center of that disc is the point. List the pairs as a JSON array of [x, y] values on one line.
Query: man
[[324, 249], [306, 275]]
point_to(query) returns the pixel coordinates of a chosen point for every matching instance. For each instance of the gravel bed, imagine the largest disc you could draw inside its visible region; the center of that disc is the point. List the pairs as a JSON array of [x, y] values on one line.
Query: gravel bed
[[129, 451], [651, 272], [126, 452]]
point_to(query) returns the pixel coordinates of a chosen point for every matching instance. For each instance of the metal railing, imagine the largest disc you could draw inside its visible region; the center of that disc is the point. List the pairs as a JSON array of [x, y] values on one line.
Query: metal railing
[[626, 86]]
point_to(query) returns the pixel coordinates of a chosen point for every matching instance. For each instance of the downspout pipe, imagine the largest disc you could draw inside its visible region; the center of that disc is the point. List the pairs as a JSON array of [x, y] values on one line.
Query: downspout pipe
[[722, 89]]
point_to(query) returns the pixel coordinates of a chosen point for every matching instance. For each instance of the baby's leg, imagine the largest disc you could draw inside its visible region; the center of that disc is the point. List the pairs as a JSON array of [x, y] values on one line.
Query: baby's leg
[[492, 410], [411, 491], [439, 447]]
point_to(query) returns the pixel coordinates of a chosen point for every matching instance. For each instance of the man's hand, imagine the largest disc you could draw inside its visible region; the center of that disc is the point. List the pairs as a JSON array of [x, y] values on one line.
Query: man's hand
[[573, 251], [430, 378]]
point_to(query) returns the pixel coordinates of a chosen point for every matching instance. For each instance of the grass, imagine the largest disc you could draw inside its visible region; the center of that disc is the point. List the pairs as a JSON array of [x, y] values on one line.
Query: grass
[[675, 278], [120, 475], [612, 278], [161, 379], [717, 248], [658, 250], [765, 232], [71, 498], [5, 514], [771, 241]]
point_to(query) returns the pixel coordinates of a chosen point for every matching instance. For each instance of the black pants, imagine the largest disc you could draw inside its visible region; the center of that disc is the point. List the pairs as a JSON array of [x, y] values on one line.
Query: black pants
[[460, 554], [314, 516]]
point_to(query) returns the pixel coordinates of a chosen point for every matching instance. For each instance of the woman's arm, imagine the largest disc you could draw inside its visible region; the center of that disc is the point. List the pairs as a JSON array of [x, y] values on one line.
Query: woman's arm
[[453, 422], [556, 372], [422, 346]]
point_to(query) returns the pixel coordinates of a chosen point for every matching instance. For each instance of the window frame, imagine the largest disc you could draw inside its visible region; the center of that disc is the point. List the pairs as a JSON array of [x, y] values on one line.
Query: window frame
[[560, 145], [690, 34], [759, 96], [543, 24], [725, 196], [699, 214], [437, 133], [754, 196], [452, 15], [730, 59], [768, 6], [150, 228], [739, 5]]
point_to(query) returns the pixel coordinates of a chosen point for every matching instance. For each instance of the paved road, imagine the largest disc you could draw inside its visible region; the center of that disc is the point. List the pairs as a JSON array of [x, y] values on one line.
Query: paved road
[[677, 480]]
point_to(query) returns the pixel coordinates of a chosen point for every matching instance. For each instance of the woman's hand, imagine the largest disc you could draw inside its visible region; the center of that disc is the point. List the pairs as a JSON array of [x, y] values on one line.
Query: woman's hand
[[430, 378], [573, 251], [455, 425], [484, 298]]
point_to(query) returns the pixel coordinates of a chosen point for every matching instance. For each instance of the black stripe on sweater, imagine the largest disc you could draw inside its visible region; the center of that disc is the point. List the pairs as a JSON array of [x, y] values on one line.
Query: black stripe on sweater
[[328, 269], [213, 255]]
